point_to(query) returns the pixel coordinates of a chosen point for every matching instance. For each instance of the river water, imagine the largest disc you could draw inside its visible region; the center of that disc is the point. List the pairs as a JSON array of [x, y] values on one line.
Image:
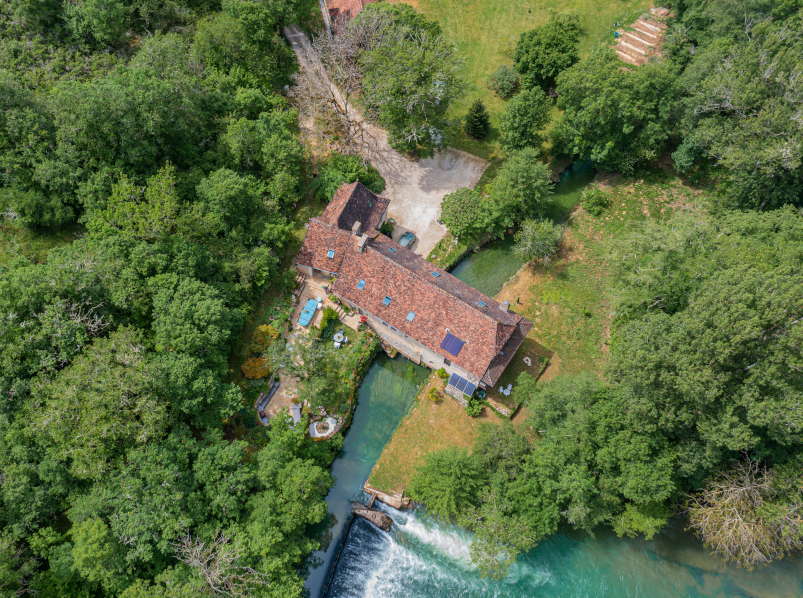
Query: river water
[[421, 557], [385, 396], [490, 268]]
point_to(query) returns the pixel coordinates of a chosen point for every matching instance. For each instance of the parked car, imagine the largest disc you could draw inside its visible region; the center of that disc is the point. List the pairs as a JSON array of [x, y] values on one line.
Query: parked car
[[407, 239]]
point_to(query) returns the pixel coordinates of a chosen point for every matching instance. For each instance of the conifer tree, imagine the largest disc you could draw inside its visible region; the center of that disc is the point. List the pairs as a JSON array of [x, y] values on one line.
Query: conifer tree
[[477, 121]]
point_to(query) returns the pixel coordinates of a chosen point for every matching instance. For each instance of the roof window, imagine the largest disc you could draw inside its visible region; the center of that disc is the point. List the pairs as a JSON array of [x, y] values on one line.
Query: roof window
[[481, 303], [361, 284], [411, 316], [393, 249], [386, 300], [436, 274], [330, 253]]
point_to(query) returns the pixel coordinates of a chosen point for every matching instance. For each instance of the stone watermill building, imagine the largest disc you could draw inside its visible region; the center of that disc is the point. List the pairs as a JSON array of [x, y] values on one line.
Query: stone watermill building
[[427, 314]]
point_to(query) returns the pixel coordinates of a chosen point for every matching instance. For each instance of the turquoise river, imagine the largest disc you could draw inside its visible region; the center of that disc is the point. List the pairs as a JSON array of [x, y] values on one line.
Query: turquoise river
[[422, 557]]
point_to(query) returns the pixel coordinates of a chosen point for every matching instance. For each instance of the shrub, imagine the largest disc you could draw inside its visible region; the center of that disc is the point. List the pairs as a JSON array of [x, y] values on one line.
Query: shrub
[[386, 228], [433, 395], [473, 407], [595, 201], [441, 373], [504, 81], [256, 367], [339, 169], [263, 337], [538, 239]]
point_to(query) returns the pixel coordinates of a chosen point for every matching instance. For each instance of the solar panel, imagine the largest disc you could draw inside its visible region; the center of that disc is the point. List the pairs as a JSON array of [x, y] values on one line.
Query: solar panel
[[461, 384], [452, 344]]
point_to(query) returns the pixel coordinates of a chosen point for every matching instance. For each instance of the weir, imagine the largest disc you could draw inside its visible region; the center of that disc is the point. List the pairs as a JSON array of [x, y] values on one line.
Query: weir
[[384, 398]]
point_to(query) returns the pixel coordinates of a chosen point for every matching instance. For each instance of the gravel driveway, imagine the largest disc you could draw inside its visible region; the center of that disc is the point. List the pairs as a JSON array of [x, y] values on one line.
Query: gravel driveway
[[415, 189]]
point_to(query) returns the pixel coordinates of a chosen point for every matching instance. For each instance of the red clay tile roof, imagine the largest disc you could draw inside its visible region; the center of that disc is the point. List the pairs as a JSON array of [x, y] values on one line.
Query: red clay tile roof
[[321, 238], [440, 303], [355, 203], [346, 8]]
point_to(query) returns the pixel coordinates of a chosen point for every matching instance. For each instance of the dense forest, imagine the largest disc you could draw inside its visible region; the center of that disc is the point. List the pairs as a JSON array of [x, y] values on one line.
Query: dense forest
[[700, 409], [163, 138], [154, 132]]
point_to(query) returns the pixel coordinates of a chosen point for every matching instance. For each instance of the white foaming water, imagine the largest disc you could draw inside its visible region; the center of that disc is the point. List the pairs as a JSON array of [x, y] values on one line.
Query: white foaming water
[[448, 542]]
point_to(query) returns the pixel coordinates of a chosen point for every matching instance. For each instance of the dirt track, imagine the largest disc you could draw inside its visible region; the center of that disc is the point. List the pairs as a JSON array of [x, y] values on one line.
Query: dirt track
[[415, 189]]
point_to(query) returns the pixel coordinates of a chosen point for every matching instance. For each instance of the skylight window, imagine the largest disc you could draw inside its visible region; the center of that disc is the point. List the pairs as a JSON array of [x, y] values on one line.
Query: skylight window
[[386, 300], [481, 303], [436, 274], [411, 316], [330, 253], [393, 250], [361, 284]]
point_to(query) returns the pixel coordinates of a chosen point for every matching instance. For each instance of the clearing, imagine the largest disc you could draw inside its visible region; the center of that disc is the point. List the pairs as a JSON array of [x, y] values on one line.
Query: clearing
[[486, 32]]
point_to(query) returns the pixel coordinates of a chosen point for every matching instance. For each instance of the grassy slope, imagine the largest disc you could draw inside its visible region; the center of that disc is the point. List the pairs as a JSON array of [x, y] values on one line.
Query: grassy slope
[[486, 32], [570, 302]]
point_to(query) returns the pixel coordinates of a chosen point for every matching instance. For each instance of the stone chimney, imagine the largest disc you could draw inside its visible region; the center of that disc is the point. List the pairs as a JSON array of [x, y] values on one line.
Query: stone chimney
[[505, 306], [361, 243], [356, 229]]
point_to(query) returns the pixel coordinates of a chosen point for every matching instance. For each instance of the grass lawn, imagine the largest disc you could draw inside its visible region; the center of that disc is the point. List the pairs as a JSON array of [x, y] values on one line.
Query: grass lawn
[[18, 241], [486, 32], [570, 302], [429, 427]]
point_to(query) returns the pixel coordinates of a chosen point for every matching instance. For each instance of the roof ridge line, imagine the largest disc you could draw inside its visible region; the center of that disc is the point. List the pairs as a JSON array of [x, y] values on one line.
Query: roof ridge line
[[445, 292]]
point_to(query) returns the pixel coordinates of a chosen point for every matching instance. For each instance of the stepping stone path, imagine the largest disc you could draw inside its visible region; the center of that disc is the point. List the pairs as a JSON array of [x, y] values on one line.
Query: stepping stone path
[[645, 39]]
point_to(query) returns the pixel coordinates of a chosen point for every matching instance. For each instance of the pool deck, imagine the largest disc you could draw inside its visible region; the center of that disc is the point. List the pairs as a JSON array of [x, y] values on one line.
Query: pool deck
[[314, 289]]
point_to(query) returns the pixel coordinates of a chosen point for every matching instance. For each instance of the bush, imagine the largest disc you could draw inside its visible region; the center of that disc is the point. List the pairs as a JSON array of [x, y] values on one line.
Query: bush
[[595, 201], [386, 228], [504, 81], [441, 373], [538, 239], [433, 395], [473, 407], [339, 169], [263, 337]]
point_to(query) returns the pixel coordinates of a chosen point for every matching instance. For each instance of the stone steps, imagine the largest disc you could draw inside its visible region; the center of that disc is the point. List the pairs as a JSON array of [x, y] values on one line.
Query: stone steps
[[646, 31], [637, 42], [631, 59], [624, 44], [640, 42]]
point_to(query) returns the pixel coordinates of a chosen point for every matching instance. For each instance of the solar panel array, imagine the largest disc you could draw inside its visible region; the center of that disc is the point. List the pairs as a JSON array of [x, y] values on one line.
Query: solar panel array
[[452, 344], [462, 384]]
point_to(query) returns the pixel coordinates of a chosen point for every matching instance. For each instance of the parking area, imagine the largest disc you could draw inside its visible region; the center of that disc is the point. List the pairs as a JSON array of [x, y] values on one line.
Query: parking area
[[416, 190]]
